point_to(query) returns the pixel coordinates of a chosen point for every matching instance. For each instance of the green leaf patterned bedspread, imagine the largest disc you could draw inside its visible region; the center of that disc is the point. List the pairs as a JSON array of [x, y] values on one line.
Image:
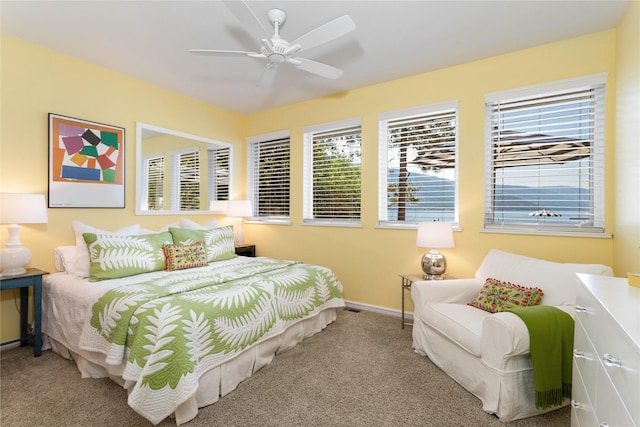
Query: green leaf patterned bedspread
[[172, 329]]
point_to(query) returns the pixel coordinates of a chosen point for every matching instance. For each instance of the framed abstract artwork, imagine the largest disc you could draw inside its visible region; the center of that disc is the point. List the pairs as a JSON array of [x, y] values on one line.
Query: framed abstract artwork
[[86, 164]]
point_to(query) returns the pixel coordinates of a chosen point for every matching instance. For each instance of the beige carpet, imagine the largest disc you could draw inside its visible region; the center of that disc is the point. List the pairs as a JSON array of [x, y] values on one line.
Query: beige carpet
[[360, 371]]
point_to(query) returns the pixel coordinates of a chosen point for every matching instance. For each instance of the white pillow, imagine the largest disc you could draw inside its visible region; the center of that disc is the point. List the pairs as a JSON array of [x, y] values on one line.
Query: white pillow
[[82, 252], [65, 258], [163, 229], [186, 223]]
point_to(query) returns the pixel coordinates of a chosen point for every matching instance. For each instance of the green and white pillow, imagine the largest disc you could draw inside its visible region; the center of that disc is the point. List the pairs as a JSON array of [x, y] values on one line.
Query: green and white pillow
[[112, 256], [218, 241]]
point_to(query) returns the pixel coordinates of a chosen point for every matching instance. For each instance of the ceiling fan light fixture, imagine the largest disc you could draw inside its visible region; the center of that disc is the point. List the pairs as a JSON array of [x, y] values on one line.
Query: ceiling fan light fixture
[[277, 58]]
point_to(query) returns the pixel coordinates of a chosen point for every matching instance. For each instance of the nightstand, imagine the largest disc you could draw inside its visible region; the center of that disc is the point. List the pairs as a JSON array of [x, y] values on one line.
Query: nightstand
[[246, 250], [407, 281], [32, 277]]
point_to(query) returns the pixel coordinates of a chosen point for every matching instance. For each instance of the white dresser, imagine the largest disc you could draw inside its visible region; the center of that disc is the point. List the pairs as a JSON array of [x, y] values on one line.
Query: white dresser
[[606, 355]]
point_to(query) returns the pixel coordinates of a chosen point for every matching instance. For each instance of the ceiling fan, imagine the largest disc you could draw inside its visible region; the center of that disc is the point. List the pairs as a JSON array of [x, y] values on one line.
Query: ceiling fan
[[278, 50]]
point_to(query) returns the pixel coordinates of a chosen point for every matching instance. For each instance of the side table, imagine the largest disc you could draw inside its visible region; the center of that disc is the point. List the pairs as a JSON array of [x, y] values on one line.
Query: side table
[[407, 281], [32, 277], [246, 250]]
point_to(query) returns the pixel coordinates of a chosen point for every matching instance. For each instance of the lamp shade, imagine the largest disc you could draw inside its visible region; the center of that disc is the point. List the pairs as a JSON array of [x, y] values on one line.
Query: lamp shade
[[17, 208], [239, 209], [435, 235]]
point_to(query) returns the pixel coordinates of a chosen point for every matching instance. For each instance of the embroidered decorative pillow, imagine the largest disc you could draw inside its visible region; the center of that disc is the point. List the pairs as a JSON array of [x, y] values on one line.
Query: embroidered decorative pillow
[[180, 257], [497, 296], [218, 242], [114, 256]]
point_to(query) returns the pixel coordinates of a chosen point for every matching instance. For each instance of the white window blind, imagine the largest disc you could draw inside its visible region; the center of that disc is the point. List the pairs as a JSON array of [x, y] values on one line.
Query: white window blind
[[418, 165], [154, 182], [218, 173], [332, 174], [269, 178], [545, 160], [185, 191]]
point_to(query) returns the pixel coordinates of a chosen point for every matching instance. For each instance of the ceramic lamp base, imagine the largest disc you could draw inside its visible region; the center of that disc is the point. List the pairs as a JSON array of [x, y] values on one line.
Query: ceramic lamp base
[[13, 259]]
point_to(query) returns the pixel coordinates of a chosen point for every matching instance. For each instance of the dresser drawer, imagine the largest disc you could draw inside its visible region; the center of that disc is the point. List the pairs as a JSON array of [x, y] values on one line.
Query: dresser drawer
[[610, 409], [582, 413], [615, 350], [585, 361]]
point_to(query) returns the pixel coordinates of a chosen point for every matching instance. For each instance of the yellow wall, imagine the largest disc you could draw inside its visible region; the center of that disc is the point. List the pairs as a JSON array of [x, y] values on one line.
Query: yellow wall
[[36, 81], [627, 147], [368, 260]]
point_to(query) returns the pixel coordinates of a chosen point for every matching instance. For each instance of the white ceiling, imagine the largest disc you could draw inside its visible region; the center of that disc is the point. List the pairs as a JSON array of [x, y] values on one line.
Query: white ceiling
[[148, 40]]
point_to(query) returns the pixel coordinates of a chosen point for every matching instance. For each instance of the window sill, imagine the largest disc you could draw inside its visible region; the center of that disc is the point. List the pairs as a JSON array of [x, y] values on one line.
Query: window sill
[[268, 221], [547, 232], [409, 226], [331, 224]]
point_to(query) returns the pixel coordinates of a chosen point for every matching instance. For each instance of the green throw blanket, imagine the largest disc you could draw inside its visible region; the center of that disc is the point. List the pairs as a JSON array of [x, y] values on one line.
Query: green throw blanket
[[551, 343]]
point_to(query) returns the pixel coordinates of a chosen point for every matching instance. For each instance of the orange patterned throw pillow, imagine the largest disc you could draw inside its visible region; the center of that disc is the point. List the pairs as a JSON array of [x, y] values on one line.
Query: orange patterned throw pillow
[[180, 257], [497, 296]]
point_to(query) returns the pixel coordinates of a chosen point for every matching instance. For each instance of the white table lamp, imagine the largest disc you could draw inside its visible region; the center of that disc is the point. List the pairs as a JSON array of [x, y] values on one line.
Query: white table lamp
[[239, 209], [434, 235], [17, 209], [219, 206]]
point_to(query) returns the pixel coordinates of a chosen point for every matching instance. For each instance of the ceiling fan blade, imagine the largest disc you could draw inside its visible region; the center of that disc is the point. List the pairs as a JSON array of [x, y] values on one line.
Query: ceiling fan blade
[[268, 75], [209, 52], [247, 18], [318, 68], [325, 33]]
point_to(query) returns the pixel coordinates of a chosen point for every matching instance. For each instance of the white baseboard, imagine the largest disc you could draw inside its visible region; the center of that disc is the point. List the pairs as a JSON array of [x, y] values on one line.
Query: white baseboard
[[377, 309], [9, 345]]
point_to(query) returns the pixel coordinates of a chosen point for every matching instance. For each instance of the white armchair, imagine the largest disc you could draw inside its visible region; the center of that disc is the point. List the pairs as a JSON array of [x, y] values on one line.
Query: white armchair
[[488, 353]]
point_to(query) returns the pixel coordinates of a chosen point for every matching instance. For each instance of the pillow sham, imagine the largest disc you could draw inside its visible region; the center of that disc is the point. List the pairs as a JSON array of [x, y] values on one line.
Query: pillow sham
[[497, 296], [161, 230], [65, 259], [82, 269], [114, 255], [187, 223], [180, 257], [218, 241]]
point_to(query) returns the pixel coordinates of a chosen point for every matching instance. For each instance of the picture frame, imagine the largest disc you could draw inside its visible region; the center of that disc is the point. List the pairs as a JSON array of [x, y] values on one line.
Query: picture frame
[[86, 164]]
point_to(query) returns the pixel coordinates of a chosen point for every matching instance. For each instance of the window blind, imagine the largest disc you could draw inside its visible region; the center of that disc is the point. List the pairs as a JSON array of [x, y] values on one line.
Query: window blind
[[269, 178], [332, 172], [155, 182], [185, 194], [218, 173], [545, 157], [418, 166]]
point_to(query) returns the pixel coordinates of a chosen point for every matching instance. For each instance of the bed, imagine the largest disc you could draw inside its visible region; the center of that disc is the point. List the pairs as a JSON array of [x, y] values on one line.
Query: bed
[[179, 340]]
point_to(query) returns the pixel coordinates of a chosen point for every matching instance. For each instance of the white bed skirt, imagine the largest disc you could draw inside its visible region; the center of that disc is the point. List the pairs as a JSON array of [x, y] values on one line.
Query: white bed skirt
[[216, 382]]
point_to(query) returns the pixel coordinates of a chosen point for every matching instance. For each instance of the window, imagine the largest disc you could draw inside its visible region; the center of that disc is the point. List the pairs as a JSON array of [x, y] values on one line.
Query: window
[[332, 160], [269, 176], [545, 157], [218, 173], [418, 165], [185, 192], [153, 181]]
